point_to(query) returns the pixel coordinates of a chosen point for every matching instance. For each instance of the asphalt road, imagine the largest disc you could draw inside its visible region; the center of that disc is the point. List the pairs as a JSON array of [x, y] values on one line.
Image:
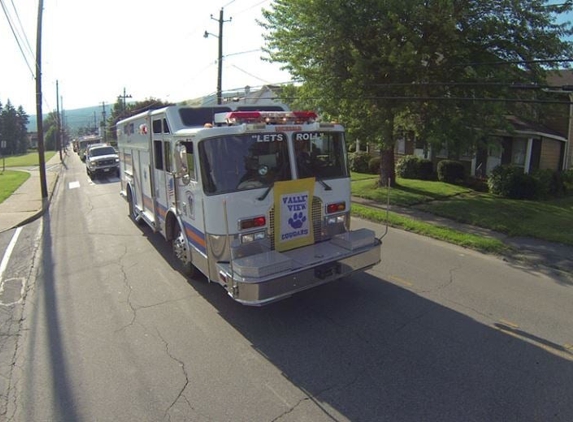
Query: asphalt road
[[108, 330]]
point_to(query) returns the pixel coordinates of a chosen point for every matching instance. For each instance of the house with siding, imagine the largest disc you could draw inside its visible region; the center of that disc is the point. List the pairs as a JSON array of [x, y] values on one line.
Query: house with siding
[[529, 145]]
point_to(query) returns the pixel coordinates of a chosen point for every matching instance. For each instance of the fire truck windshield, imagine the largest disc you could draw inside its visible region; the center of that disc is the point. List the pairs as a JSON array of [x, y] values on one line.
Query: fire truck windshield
[[257, 160], [240, 162], [320, 154]]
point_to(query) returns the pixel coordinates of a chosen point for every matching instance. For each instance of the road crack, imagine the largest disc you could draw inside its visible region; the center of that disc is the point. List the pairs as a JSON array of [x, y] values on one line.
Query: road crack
[[183, 369]]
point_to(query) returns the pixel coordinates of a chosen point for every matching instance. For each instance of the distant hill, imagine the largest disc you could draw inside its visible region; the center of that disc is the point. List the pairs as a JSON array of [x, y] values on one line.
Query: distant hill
[[77, 118]]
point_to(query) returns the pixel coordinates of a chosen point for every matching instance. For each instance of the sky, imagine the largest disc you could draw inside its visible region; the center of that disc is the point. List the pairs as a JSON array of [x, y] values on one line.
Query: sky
[[95, 49]]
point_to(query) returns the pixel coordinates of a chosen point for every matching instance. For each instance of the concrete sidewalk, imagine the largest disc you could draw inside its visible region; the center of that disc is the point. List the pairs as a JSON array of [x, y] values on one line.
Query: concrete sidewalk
[[26, 204]]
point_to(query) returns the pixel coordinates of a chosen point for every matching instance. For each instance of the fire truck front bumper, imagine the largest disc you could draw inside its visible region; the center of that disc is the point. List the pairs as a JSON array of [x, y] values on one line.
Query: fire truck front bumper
[[264, 278]]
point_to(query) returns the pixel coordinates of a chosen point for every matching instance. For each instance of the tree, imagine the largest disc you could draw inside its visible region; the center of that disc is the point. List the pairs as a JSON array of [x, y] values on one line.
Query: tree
[[22, 142], [122, 110], [377, 64], [50, 126], [13, 129]]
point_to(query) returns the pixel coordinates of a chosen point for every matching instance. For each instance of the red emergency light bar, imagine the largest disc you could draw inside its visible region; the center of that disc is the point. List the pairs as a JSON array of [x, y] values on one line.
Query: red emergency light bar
[[271, 117]]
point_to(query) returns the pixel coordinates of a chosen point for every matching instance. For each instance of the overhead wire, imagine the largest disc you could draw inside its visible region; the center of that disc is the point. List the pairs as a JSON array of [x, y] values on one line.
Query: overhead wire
[[17, 37], [30, 50]]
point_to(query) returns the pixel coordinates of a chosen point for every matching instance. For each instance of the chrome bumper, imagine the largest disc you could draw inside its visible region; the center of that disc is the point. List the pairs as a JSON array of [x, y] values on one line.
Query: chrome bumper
[[324, 268]]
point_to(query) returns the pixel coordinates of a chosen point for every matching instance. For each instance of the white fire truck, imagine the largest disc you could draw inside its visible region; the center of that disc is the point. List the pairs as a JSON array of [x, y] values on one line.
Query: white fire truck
[[258, 201]]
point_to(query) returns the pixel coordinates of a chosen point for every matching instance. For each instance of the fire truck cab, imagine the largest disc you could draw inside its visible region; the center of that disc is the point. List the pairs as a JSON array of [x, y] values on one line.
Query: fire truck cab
[[256, 200]]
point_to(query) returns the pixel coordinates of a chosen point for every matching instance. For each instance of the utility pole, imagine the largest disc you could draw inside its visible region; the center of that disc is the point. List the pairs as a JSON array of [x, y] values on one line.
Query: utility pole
[[58, 121], [124, 96], [39, 122], [103, 121], [221, 21], [63, 125]]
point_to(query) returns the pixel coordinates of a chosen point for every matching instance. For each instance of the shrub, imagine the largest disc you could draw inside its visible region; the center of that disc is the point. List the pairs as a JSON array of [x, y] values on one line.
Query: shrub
[[374, 165], [426, 171], [412, 167], [407, 167], [359, 161], [549, 183], [512, 182], [450, 171], [567, 177]]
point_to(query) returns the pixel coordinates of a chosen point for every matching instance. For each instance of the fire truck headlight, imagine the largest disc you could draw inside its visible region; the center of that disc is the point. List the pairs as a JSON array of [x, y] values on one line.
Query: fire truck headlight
[[251, 237]]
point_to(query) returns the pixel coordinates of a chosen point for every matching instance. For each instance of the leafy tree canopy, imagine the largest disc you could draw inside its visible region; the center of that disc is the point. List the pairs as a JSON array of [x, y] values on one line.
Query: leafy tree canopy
[[13, 131], [122, 110], [445, 64]]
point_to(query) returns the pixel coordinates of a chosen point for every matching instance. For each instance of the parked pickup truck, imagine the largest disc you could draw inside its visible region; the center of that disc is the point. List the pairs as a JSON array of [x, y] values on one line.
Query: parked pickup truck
[[102, 160]]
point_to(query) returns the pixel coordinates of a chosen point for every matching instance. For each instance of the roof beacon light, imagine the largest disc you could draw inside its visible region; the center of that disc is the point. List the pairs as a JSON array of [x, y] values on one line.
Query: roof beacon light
[[270, 117]]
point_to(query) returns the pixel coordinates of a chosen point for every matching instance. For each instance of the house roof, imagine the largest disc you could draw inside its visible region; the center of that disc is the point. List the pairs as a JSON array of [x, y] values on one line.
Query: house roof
[[528, 128], [560, 78]]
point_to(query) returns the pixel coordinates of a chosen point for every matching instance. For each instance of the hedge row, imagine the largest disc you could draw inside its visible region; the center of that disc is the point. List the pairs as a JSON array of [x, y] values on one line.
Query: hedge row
[[506, 181], [363, 162], [411, 167], [512, 182]]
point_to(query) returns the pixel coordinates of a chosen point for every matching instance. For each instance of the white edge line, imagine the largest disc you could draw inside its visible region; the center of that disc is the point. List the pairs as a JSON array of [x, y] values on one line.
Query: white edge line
[[7, 255]]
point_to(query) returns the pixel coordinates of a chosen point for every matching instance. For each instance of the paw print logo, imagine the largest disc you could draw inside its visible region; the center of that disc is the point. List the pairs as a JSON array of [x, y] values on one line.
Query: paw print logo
[[297, 220]]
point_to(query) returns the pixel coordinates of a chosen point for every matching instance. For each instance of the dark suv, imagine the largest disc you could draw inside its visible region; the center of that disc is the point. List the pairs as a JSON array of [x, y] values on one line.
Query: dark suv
[[102, 160]]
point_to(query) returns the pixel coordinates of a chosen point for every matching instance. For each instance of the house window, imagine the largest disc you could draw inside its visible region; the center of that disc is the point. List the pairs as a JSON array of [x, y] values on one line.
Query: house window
[[401, 146], [518, 151]]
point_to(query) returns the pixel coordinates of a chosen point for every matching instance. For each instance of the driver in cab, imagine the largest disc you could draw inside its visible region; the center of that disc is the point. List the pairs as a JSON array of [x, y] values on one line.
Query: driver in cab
[[303, 159]]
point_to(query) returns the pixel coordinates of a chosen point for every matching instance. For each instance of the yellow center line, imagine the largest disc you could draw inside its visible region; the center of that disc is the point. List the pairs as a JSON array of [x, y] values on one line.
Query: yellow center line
[[400, 280]]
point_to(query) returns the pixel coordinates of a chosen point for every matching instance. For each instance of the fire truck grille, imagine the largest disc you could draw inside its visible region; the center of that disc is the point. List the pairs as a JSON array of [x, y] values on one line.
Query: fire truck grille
[[316, 213]]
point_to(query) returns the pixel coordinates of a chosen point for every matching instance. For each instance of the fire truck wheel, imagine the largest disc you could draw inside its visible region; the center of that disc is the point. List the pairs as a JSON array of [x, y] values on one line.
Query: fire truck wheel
[[179, 245], [132, 211]]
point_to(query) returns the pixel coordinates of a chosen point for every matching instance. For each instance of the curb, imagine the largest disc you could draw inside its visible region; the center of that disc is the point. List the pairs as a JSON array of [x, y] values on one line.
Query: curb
[[45, 204]]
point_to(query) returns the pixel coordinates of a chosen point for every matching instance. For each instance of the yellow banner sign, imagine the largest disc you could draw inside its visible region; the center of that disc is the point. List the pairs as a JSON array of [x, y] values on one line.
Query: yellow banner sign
[[293, 213]]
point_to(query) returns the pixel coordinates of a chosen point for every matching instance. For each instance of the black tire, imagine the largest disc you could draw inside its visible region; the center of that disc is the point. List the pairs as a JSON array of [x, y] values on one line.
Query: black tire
[[179, 246], [132, 212]]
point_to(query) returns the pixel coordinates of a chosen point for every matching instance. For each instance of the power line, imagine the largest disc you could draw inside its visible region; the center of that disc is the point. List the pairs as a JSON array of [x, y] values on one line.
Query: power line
[[250, 8], [250, 74], [430, 98], [10, 23], [506, 62], [30, 50]]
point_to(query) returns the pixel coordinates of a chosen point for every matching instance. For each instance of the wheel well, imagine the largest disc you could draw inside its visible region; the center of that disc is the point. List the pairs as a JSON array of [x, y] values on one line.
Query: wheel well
[[129, 192]]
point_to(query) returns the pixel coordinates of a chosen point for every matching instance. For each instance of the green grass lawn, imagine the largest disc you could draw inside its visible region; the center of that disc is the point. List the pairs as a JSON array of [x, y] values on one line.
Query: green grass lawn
[[446, 234], [11, 180], [25, 160], [548, 220], [408, 192]]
